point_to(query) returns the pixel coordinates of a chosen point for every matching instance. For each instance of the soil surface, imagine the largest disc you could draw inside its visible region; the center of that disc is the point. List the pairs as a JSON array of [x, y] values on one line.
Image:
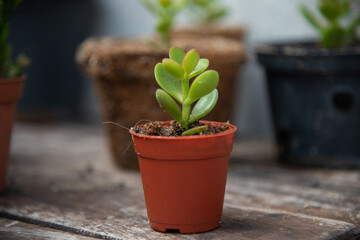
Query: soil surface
[[174, 129]]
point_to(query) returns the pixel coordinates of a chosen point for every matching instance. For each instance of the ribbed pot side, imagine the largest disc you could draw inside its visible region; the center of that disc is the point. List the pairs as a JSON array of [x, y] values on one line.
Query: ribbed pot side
[[184, 179], [10, 92], [315, 103]]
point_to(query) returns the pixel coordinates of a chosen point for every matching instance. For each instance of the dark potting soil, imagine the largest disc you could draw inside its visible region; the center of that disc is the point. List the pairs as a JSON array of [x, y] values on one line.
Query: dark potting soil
[[174, 129]]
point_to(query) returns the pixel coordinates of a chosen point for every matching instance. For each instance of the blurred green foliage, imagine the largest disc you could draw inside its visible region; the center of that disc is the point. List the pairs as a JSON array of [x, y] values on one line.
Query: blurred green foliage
[[165, 12], [173, 75], [207, 11], [8, 67], [338, 25]]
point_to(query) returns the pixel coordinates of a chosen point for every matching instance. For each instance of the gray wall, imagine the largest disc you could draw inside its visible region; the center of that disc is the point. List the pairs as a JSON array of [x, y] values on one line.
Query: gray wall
[[265, 20]]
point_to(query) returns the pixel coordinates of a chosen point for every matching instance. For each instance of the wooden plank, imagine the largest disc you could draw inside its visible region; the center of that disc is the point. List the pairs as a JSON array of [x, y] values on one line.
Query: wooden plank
[[14, 230], [112, 217], [61, 177], [254, 178], [330, 194]]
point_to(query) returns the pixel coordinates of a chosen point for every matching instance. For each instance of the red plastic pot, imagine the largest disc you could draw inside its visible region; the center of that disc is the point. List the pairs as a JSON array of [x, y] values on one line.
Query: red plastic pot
[[184, 179], [10, 92]]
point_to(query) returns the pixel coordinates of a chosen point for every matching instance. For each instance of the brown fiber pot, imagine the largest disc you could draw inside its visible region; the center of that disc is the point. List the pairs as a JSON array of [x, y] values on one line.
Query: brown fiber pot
[[123, 73], [234, 32], [184, 179], [10, 92]]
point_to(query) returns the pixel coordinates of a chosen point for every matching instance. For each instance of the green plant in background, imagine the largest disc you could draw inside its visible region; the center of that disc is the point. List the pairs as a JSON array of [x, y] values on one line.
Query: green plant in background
[[332, 30], [165, 12], [208, 11], [173, 75], [9, 68]]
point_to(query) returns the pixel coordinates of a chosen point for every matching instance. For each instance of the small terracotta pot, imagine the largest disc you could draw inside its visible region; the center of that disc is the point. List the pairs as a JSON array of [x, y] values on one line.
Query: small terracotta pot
[[10, 92], [184, 179], [121, 68]]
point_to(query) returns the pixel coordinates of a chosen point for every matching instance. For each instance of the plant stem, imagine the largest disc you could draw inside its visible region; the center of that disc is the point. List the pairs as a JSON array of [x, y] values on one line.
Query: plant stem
[[185, 106], [186, 114], [185, 88], [165, 39]]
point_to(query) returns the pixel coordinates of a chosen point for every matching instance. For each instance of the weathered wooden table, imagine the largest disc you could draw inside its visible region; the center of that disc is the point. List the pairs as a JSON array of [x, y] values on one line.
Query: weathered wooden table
[[62, 185]]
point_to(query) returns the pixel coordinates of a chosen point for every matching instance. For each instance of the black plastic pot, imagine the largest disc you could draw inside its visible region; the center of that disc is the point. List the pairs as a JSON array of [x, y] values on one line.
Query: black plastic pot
[[315, 100]]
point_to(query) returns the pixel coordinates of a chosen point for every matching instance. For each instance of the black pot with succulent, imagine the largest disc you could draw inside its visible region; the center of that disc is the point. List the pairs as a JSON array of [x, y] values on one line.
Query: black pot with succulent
[[313, 90]]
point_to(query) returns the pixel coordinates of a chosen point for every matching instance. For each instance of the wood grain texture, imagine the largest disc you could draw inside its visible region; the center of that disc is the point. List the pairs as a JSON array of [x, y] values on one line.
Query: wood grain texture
[[61, 177], [15, 230]]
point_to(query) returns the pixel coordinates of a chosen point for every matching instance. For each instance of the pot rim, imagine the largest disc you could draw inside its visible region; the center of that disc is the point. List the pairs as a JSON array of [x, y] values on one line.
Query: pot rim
[[145, 50], [303, 48], [179, 138], [20, 78]]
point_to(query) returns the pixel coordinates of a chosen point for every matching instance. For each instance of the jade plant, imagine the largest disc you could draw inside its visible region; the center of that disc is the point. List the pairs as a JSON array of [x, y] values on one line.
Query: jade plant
[[173, 75], [338, 25], [208, 11], [165, 12], [8, 67]]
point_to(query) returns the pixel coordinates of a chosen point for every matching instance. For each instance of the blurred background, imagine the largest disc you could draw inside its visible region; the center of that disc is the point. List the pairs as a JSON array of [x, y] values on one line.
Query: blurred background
[[56, 91]]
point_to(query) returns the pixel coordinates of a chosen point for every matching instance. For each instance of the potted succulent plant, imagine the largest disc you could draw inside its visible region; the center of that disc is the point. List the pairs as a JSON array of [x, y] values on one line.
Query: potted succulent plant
[[121, 67], [11, 82], [313, 90], [207, 16], [183, 163]]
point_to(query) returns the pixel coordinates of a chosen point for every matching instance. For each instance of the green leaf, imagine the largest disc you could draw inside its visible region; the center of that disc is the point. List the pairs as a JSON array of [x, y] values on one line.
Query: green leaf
[[345, 7], [163, 26], [202, 85], [330, 9], [181, 4], [1, 12], [204, 106], [201, 67], [150, 5], [168, 82], [354, 24], [195, 130], [190, 61], [309, 16], [174, 68], [169, 105], [177, 54], [165, 3], [333, 37]]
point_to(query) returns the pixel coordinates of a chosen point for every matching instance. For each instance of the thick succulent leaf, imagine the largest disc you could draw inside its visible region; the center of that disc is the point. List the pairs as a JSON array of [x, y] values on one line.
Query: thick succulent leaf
[[345, 7], [333, 37], [168, 104], [168, 82], [195, 130], [201, 67], [204, 106], [309, 16], [190, 61], [165, 3], [353, 25], [330, 9], [177, 54], [203, 85], [174, 68]]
